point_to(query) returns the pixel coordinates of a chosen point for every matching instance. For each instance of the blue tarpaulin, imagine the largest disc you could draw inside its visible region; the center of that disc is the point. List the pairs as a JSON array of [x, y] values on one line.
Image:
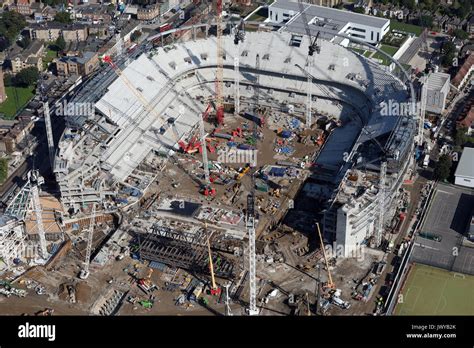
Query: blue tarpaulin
[[275, 171]]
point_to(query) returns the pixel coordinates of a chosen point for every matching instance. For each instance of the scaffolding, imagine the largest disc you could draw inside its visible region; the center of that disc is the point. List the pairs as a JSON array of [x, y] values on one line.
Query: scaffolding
[[182, 249]]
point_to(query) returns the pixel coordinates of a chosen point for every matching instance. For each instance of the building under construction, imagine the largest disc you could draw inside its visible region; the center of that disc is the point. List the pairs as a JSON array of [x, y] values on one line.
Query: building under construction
[[166, 119]]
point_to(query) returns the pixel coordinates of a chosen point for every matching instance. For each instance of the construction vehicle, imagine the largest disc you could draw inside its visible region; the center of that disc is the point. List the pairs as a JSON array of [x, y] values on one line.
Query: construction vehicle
[[45, 312], [147, 304], [215, 290], [330, 284], [242, 173], [145, 284]]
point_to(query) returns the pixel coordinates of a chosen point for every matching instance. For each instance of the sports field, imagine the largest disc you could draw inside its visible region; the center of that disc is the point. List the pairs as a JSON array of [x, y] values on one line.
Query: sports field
[[434, 291]]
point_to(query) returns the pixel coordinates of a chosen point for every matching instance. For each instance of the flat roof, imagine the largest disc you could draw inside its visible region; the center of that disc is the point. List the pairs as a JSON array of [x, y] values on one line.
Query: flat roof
[[331, 14], [466, 164], [437, 80]]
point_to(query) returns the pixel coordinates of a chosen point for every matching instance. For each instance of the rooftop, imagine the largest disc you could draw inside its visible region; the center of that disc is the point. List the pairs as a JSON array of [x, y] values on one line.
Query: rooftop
[[437, 80], [466, 164], [329, 21]]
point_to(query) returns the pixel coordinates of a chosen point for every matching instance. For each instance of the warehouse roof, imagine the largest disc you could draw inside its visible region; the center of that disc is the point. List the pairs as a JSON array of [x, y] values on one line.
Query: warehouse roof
[[466, 164]]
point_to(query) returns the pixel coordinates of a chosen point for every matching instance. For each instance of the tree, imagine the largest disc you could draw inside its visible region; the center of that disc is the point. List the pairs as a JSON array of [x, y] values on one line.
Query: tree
[[59, 44], [63, 17], [135, 35], [11, 24], [461, 34], [443, 167], [426, 21], [359, 9], [26, 77], [449, 53], [24, 42]]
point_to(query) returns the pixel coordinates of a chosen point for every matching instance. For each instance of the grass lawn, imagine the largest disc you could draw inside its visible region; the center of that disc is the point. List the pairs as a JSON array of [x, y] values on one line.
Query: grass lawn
[[259, 16], [385, 60], [49, 56], [10, 107], [390, 50], [434, 291], [409, 28], [368, 53], [358, 50]]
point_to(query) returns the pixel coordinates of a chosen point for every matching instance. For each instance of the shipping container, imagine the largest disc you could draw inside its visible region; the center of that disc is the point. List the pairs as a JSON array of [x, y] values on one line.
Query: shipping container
[[253, 118], [223, 136]]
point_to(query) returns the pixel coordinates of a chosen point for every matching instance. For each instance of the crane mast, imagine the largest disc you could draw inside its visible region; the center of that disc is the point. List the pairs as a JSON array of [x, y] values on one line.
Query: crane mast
[[202, 132], [379, 230], [239, 35], [90, 235], [309, 95], [330, 283], [36, 180], [220, 65], [252, 259]]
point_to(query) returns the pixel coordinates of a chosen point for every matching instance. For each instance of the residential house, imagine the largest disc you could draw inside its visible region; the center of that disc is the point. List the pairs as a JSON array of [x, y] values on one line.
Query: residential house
[[82, 65], [26, 7], [50, 31], [470, 25], [455, 23], [95, 13], [29, 57], [148, 12], [46, 14], [464, 72], [13, 132]]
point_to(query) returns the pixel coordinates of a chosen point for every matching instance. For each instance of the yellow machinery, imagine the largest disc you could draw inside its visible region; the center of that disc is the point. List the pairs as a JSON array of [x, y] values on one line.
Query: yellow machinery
[[215, 290], [330, 284]]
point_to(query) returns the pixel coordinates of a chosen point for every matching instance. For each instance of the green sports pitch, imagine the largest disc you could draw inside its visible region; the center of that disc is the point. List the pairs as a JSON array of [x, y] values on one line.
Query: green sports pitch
[[434, 291]]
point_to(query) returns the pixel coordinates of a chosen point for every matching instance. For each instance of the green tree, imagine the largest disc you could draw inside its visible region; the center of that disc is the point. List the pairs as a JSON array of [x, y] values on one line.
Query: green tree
[[443, 167], [26, 77], [359, 9], [59, 44], [11, 24], [135, 35], [63, 17], [449, 53], [461, 34], [426, 21]]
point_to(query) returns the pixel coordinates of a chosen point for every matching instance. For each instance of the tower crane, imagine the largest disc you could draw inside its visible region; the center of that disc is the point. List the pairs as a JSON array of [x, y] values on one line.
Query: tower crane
[[250, 225], [239, 36], [215, 290], [330, 284], [35, 181], [219, 66], [228, 311], [380, 224], [167, 123], [47, 121], [84, 274]]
